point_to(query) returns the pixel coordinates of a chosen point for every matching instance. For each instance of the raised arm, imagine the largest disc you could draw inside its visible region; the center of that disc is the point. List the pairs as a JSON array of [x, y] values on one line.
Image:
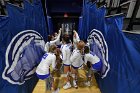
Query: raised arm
[[57, 39], [76, 37]]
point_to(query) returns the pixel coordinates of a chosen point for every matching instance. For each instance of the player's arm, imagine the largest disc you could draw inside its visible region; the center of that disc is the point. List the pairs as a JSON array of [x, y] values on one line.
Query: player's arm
[[57, 39], [76, 37]]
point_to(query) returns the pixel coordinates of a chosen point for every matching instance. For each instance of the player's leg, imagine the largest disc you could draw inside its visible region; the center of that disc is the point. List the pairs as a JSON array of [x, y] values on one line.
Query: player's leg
[[67, 75], [75, 76], [55, 83]]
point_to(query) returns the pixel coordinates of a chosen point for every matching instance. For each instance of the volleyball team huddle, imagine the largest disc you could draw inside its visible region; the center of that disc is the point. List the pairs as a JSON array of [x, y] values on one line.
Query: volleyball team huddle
[[72, 56]]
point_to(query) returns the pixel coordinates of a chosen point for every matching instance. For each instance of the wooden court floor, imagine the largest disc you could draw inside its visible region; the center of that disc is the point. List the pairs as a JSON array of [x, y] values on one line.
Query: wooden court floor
[[40, 87]]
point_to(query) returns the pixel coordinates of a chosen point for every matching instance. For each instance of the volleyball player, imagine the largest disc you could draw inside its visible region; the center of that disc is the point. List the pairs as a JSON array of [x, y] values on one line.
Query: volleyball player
[[43, 69], [76, 59], [66, 52], [93, 63]]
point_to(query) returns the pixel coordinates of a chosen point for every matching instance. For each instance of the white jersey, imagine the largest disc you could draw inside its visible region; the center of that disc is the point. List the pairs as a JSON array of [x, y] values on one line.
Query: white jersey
[[91, 58], [47, 60], [57, 42], [66, 52], [76, 58], [48, 44], [61, 46]]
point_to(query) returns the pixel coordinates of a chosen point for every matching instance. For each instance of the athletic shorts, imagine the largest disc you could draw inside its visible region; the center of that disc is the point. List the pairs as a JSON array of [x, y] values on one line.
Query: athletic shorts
[[43, 76], [76, 67]]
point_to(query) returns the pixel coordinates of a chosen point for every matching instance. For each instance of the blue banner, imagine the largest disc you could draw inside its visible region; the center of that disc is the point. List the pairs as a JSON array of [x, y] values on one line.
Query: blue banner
[[50, 25], [93, 18], [135, 38], [16, 16], [80, 26], [22, 40], [33, 19], [123, 58], [119, 52], [29, 15]]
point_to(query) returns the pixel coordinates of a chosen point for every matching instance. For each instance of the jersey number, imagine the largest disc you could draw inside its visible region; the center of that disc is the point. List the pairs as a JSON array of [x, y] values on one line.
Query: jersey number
[[44, 56]]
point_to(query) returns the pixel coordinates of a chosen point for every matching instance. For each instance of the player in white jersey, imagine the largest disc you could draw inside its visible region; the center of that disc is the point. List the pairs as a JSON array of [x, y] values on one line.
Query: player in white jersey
[[93, 62], [66, 52], [49, 43], [43, 69], [76, 59], [48, 59]]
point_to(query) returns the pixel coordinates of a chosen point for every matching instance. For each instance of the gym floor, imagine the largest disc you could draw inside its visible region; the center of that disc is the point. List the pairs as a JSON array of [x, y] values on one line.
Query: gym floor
[[40, 87]]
